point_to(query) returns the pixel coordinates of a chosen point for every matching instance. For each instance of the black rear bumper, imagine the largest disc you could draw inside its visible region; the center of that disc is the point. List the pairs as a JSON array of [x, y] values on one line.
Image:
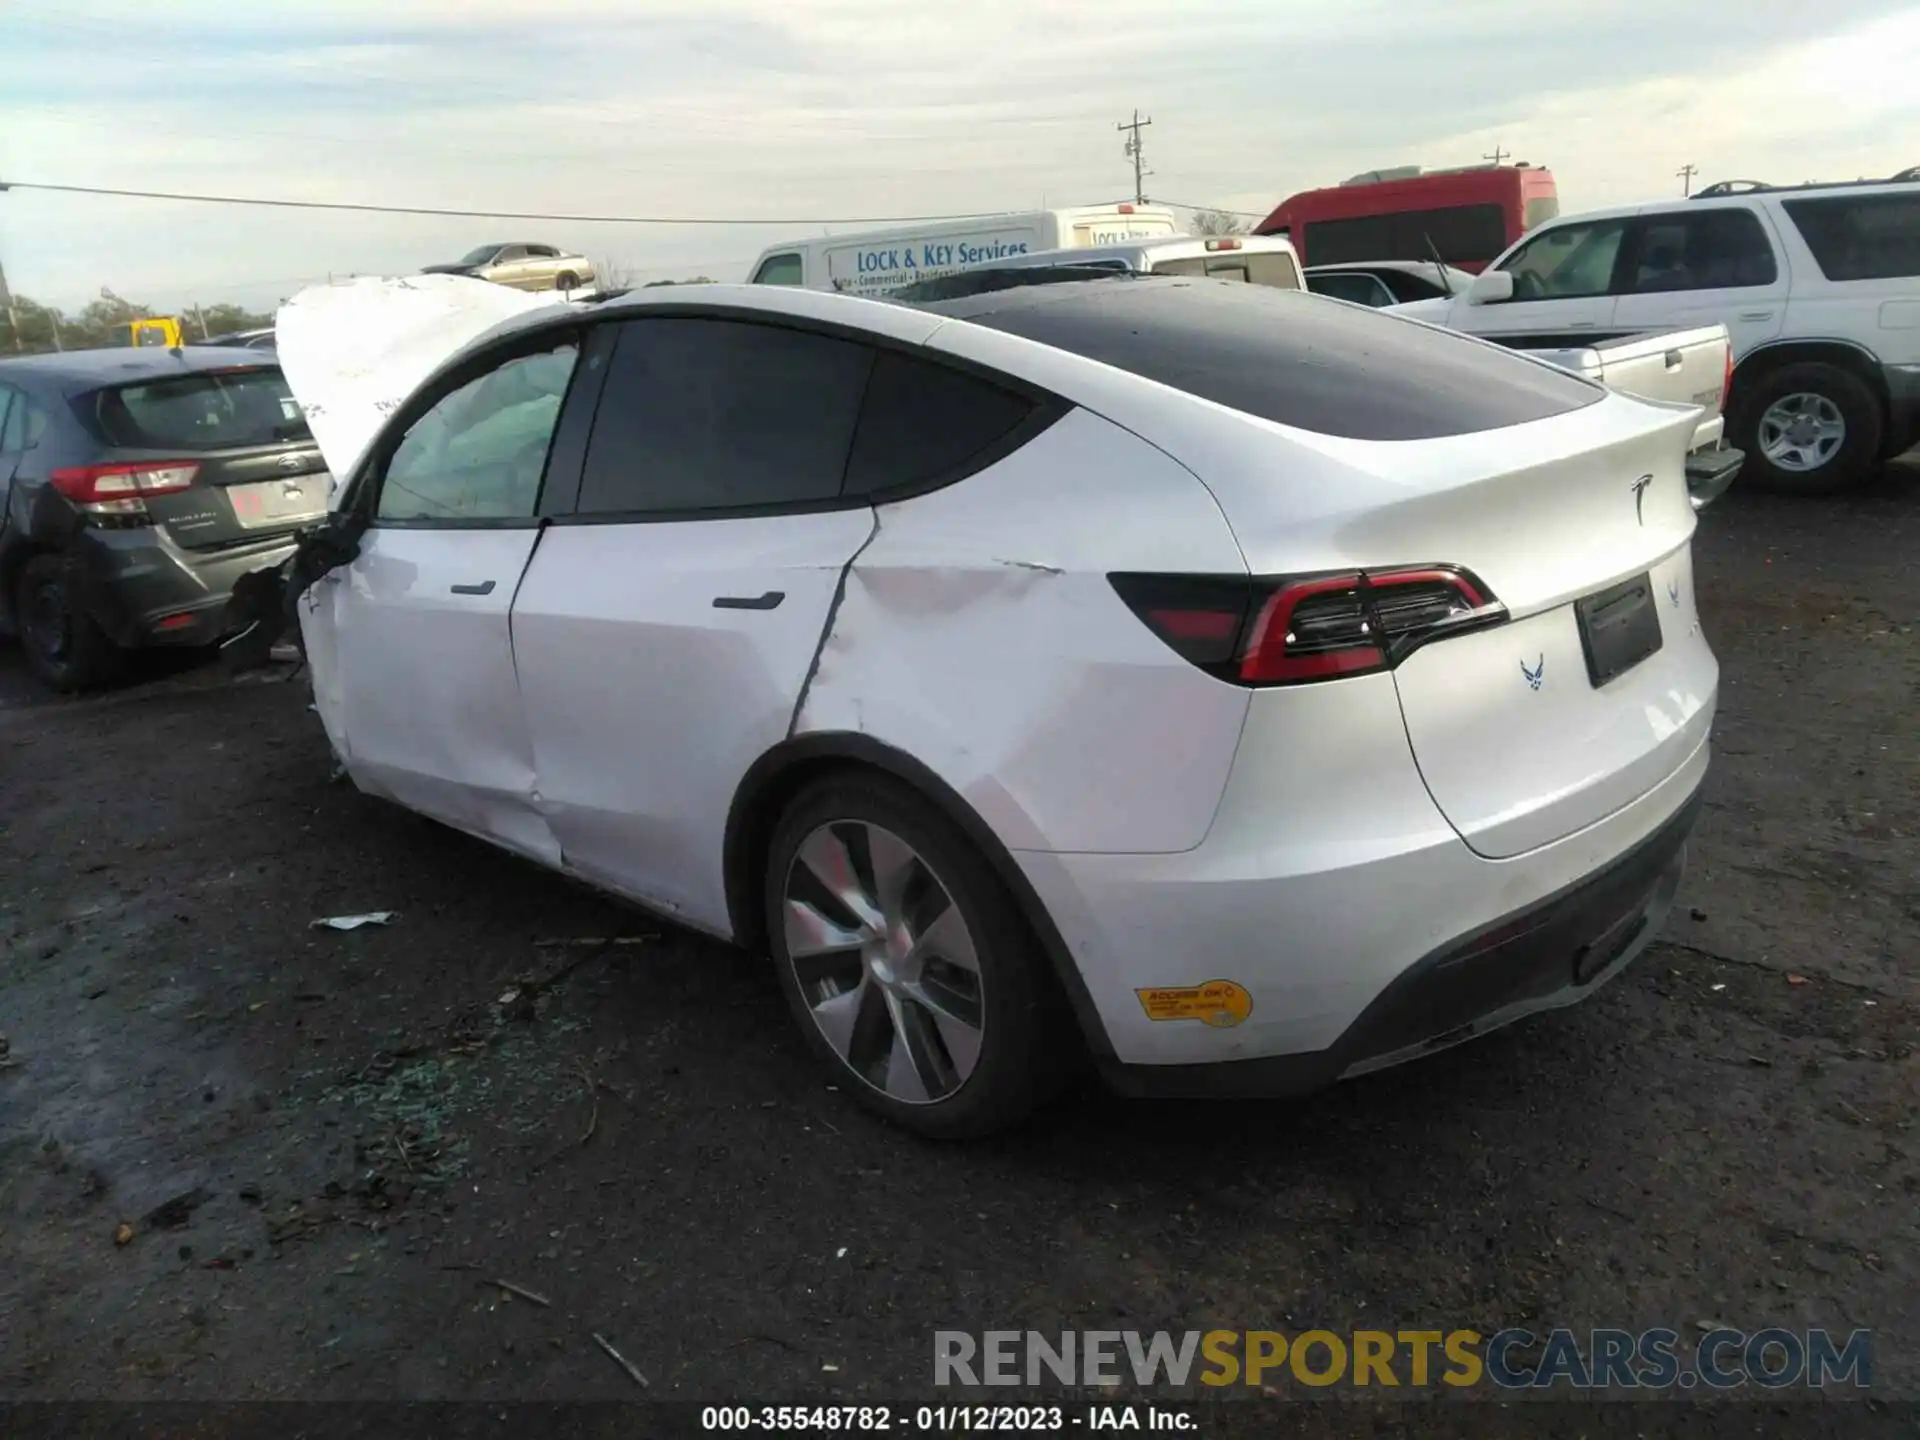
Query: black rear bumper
[[1556, 949], [143, 590], [1710, 472]]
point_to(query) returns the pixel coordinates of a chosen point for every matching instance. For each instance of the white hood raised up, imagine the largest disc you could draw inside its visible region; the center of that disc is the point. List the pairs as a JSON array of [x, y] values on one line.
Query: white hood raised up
[[353, 351]]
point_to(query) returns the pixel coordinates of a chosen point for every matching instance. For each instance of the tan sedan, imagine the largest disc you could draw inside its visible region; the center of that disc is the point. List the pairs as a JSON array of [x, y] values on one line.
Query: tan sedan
[[522, 266]]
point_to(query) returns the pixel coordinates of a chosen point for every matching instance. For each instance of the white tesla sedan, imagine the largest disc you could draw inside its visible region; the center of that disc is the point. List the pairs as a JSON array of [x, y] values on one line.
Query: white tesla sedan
[[1259, 689]]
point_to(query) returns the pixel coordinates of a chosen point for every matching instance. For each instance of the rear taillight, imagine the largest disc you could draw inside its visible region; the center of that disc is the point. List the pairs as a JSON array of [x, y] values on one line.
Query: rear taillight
[[123, 489], [1317, 627], [1223, 244]]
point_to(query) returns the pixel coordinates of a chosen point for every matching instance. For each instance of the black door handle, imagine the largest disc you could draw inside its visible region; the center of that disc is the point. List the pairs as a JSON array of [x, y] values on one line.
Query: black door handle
[[485, 587], [749, 602]]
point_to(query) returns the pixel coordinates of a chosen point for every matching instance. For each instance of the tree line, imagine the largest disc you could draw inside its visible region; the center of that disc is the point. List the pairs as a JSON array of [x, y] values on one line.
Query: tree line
[[28, 327]]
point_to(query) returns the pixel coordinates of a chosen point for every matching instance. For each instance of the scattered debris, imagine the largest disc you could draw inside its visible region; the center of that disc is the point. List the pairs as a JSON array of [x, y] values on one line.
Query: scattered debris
[[170, 1214], [1761, 1061], [1697, 913], [831, 1369], [355, 922], [124, 1234], [1796, 979], [620, 1360], [523, 1293], [1718, 988], [841, 1253], [595, 942]]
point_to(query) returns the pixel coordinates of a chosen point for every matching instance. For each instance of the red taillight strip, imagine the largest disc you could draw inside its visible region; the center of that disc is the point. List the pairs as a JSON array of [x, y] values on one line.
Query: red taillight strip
[[1266, 661], [81, 483]]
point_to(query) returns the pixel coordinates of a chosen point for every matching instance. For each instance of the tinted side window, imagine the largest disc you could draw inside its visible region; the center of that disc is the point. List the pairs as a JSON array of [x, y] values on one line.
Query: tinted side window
[[1568, 262], [1862, 237], [1720, 249], [778, 270], [479, 453], [1458, 232], [923, 422], [1355, 285], [722, 414]]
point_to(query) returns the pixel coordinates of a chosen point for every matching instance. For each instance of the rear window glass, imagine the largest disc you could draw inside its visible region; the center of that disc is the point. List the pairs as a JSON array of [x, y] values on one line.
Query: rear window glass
[[1260, 268], [210, 410], [1861, 237], [1289, 357]]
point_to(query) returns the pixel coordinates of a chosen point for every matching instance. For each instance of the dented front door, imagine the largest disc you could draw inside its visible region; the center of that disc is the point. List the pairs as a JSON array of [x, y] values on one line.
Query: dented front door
[[423, 678]]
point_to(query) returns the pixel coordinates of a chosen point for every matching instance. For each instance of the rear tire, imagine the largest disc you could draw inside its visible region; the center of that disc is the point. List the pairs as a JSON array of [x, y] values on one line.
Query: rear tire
[[63, 645], [566, 280], [907, 964], [1808, 429]]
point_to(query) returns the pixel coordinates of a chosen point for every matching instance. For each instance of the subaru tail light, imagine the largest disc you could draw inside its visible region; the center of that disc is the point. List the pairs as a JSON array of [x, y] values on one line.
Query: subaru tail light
[[122, 489]]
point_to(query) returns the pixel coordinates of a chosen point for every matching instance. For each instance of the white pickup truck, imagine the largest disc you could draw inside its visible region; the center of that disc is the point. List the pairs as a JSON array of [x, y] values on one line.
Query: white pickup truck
[[1681, 367]]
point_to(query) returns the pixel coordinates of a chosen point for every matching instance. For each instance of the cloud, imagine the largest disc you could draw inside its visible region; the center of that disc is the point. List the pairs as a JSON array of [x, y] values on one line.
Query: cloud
[[849, 107]]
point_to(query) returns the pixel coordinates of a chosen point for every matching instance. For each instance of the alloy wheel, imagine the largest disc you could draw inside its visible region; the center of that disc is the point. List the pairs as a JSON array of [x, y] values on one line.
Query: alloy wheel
[[885, 961], [1802, 432]]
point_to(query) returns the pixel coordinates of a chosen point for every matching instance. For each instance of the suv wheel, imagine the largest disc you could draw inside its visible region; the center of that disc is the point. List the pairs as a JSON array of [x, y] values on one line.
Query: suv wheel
[[64, 647], [905, 960], [1809, 429]]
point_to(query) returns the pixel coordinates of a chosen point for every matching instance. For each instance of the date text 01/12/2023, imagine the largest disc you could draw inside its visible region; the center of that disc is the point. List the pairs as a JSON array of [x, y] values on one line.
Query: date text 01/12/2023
[[943, 1419]]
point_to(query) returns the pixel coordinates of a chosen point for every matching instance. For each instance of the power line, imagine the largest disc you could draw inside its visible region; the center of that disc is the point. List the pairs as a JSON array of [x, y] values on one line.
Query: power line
[[274, 204]]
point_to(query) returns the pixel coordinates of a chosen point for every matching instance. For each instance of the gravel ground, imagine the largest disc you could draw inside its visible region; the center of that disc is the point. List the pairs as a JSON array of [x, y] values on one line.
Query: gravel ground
[[328, 1146]]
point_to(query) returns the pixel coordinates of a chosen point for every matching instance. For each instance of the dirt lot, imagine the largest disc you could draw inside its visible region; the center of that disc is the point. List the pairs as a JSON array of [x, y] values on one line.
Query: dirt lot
[[355, 1133]]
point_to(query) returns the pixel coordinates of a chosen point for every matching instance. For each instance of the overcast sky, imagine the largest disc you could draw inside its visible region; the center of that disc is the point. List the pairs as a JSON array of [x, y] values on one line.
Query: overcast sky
[[842, 108]]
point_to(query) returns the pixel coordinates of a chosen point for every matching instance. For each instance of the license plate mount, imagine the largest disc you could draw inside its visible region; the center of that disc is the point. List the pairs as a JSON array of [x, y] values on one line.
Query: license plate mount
[[264, 503], [1619, 627]]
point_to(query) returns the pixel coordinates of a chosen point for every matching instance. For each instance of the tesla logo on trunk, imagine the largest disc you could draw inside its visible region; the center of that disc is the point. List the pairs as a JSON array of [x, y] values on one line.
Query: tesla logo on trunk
[[1640, 498], [1536, 675]]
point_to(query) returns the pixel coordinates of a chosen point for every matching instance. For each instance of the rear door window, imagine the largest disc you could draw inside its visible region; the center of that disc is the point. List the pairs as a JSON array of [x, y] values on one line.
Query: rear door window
[[1715, 249], [923, 423], [204, 410], [1861, 237], [722, 415]]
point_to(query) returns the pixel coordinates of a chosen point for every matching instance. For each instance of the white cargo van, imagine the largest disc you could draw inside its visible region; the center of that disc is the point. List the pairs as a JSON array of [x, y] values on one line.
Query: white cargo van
[[883, 260]]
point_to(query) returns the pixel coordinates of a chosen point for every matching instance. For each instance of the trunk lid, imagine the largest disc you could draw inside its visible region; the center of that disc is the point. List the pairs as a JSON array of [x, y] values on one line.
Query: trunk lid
[[1517, 744]]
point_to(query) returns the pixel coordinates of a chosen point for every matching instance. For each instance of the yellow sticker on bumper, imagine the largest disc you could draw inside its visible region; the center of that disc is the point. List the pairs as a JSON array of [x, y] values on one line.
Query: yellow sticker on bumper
[[1219, 1003]]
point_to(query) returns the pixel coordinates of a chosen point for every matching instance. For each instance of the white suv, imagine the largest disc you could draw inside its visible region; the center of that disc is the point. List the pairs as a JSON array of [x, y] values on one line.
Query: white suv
[[1819, 285]]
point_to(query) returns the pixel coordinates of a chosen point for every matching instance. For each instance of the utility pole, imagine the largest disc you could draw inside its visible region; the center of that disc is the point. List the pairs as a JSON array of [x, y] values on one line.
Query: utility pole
[[1498, 155], [6, 302], [1686, 174], [201, 321], [1132, 151]]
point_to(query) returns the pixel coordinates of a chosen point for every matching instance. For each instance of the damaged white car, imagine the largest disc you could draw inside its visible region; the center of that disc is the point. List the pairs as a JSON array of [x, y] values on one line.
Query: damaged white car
[[1242, 688]]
